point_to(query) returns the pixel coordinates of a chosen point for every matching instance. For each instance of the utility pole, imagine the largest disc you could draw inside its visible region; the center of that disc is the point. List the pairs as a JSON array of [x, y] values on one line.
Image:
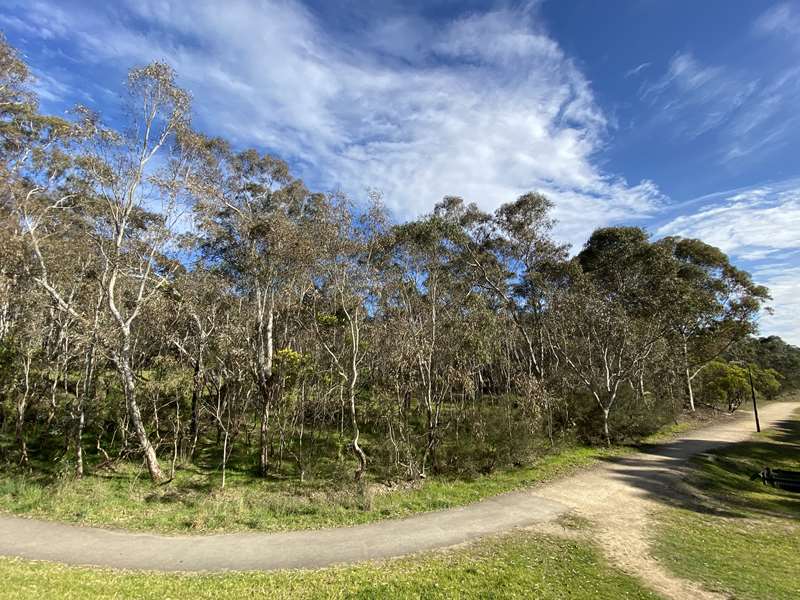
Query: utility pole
[[753, 392]]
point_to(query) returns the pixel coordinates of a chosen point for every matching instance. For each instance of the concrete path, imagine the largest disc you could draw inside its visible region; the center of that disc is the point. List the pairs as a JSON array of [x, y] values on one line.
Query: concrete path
[[604, 487]]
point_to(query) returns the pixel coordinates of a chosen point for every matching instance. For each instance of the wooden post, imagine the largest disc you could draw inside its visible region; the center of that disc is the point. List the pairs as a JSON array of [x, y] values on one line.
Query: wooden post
[[753, 392]]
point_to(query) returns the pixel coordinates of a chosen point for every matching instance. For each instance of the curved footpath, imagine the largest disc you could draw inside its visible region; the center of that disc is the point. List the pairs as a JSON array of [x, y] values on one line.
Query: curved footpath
[[609, 489]]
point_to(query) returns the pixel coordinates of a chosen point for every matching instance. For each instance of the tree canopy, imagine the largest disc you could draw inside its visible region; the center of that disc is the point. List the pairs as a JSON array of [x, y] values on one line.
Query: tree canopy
[[162, 291]]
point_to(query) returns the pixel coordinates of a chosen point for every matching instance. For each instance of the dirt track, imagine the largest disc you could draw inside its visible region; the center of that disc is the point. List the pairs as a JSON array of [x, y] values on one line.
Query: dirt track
[[619, 497]]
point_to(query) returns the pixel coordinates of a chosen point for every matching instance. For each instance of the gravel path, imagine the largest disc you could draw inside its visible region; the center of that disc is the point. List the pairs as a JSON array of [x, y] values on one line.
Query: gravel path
[[620, 497], [616, 496]]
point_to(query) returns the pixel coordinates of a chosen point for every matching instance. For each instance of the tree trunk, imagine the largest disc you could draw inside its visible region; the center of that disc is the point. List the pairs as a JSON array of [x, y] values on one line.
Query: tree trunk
[[19, 432], [430, 449], [264, 357], [86, 391], [79, 440], [224, 458], [263, 461], [688, 376], [197, 383], [22, 403], [362, 458], [129, 385], [689, 388]]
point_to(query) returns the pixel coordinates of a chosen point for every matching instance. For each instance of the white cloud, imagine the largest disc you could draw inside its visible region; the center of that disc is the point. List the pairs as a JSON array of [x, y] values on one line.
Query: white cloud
[[760, 226], [486, 106], [781, 19], [696, 98], [637, 69], [50, 89], [783, 282], [752, 114], [752, 224]]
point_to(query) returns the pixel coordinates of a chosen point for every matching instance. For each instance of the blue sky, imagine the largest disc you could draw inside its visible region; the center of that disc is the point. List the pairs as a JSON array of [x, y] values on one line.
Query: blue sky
[[679, 116]]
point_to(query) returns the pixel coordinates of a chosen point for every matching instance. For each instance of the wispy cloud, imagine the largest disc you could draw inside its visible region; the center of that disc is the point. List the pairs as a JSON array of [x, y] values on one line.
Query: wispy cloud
[[749, 114], [782, 19], [695, 97], [489, 107], [52, 90], [752, 224], [760, 226], [783, 281], [637, 69]]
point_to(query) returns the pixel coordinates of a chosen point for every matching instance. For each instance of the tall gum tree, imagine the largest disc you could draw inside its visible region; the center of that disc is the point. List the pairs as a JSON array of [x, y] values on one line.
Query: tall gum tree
[[257, 226], [611, 313], [127, 187], [716, 304], [504, 254], [35, 168], [346, 289]]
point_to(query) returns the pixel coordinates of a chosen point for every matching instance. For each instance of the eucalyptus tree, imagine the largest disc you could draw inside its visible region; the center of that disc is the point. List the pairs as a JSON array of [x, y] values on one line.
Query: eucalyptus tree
[[428, 301], [35, 168], [346, 288], [599, 342], [506, 252], [257, 226], [629, 271], [509, 257], [116, 185], [229, 381], [716, 305], [394, 365], [202, 301], [23, 361], [686, 286], [611, 312], [33, 155], [627, 267], [769, 352], [16, 102]]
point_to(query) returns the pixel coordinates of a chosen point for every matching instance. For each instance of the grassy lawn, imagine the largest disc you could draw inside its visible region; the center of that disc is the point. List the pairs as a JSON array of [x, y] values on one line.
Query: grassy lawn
[[746, 539], [520, 565], [193, 501]]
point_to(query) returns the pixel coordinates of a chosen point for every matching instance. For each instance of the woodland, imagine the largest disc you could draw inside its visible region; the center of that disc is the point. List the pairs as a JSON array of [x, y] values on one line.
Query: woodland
[[167, 298]]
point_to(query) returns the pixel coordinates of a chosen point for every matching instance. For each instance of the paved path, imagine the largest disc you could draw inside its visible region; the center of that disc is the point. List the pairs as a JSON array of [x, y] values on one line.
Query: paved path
[[607, 485]]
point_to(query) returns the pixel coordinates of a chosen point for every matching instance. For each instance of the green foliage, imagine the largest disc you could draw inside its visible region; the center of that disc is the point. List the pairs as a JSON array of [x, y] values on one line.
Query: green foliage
[[328, 320], [770, 353], [723, 384], [291, 363], [727, 385], [517, 565], [766, 381]]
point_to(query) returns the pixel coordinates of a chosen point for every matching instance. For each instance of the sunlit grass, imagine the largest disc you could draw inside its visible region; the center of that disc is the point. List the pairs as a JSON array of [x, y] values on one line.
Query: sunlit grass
[[194, 501], [743, 538], [520, 565]]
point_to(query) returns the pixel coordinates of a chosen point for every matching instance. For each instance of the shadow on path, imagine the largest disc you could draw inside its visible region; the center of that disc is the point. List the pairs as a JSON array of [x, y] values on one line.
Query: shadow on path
[[713, 477]]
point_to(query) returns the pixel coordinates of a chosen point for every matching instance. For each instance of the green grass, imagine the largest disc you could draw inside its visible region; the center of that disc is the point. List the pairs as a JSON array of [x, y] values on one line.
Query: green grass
[[194, 502], [520, 565], [743, 539]]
